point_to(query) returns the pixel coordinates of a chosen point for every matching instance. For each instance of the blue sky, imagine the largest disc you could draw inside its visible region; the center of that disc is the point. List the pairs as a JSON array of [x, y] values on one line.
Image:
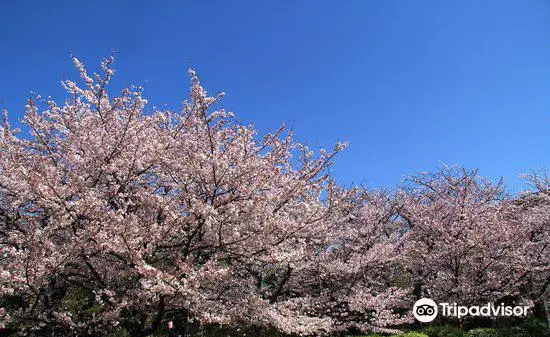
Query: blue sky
[[407, 83]]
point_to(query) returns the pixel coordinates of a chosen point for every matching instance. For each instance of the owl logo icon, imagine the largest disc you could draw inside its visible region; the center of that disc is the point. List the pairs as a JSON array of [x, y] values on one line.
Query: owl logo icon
[[425, 310]]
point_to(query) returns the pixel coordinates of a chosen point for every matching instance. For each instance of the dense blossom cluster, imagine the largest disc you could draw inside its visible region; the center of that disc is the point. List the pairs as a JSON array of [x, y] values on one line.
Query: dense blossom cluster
[[464, 244], [114, 218]]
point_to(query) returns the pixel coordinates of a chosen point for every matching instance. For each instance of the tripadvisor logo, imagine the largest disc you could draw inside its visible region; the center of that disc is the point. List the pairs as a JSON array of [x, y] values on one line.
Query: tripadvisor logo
[[425, 310]]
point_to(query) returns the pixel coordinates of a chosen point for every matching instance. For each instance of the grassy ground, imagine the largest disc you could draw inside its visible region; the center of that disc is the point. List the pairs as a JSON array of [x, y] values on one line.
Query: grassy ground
[[529, 328]]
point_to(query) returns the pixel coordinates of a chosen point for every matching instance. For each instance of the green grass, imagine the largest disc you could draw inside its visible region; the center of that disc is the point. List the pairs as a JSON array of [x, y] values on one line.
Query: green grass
[[529, 328]]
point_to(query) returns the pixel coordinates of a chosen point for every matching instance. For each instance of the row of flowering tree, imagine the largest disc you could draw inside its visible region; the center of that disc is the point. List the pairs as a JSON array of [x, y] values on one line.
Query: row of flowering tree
[[112, 218]]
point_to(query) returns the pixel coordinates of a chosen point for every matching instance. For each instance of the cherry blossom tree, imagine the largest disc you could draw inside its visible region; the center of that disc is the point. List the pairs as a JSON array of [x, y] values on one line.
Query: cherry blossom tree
[[533, 211], [463, 243], [360, 274], [112, 217]]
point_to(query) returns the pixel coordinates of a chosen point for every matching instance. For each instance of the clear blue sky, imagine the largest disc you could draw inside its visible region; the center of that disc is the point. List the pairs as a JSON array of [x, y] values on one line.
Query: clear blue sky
[[408, 83]]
